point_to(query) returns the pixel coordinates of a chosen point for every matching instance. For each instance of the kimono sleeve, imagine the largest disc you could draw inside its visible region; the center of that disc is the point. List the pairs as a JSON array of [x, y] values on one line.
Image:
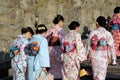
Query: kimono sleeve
[[111, 47], [80, 48], [25, 42], [43, 53], [88, 43], [62, 34]]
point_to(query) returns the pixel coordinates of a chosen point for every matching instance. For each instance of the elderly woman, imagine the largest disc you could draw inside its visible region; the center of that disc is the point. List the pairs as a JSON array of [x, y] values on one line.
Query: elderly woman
[[73, 52], [99, 49]]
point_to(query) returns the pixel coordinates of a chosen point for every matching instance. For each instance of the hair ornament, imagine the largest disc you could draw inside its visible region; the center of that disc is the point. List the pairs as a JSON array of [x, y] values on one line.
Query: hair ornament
[[41, 28]]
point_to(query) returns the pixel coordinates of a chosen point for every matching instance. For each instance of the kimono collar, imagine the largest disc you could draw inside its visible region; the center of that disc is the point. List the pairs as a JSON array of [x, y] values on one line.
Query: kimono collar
[[21, 36], [39, 35], [56, 26], [73, 31], [101, 29], [116, 15]]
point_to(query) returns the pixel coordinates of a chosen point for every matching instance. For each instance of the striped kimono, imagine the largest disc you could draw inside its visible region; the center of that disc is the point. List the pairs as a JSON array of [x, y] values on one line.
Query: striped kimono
[[99, 49], [18, 63]]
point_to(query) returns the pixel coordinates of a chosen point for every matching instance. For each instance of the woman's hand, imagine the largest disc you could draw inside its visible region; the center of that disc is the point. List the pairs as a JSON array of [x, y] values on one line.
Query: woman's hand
[[44, 69], [24, 69], [109, 61]]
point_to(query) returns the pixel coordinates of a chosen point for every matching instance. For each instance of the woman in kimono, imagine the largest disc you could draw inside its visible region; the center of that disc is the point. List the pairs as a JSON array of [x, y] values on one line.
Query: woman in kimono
[[18, 61], [38, 63], [115, 29], [54, 36], [110, 41], [74, 52], [99, 49]]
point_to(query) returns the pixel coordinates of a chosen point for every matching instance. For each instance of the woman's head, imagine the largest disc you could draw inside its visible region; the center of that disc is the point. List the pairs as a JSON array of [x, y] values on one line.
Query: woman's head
[[116, 10], [101, 21], [27, 32], [58, 20], [74, 25], [41, 29]]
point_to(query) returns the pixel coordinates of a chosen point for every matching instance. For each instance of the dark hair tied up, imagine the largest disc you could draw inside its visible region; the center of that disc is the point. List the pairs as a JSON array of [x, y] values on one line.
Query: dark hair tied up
[[101, 21], [27, 29], [73, 25], [41, 28], [57, 19], [117, 10]]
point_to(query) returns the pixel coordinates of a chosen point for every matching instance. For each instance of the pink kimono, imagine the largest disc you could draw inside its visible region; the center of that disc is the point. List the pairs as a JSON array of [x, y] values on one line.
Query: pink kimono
[[99, 49], [115, 23], [55, 50], [74, 54]]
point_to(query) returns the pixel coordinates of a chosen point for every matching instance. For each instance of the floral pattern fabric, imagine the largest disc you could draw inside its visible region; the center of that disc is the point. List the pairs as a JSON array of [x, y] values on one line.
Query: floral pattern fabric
[[115, 23], [19, 62], [72, 59], [55, 51], [99, 48]]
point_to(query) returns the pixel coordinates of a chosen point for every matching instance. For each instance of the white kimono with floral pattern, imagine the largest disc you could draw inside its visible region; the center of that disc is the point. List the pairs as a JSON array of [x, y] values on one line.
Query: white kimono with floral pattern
[[18, 63], [72, 59], [99, 48]]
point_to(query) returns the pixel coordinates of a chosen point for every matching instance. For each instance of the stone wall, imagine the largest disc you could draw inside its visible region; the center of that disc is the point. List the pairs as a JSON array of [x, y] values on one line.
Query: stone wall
[[15, 14]]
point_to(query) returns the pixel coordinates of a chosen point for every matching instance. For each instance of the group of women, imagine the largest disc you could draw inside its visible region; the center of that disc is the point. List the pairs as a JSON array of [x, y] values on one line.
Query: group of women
[[61, 54]]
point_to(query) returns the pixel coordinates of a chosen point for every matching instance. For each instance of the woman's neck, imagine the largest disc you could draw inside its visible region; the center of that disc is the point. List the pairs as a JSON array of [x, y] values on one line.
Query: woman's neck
[[58, 25], [43, 34]]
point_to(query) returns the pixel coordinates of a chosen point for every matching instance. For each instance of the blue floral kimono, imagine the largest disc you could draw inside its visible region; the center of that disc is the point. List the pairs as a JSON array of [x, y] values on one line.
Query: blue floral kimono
[[18, 62], [35, 63]]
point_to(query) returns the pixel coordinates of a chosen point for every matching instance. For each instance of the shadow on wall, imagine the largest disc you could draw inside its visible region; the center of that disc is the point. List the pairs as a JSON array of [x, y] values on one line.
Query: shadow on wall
[[5, 64]]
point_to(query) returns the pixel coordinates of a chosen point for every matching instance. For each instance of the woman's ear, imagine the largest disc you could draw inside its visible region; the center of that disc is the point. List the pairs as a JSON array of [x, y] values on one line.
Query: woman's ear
[[77, 29], [97, 24]]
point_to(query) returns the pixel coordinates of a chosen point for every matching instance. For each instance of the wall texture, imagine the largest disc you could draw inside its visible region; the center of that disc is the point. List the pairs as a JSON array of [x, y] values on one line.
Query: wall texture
[[15, 14]]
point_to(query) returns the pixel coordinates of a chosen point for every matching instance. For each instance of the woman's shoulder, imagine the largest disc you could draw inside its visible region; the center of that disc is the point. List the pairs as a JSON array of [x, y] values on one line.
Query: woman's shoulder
[[94, 31], [38, 37], [21, 38]]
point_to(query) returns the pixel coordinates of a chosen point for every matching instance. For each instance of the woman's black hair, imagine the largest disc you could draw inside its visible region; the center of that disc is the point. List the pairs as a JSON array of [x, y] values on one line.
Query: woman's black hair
[[117, 10], [57, 19], [101, 21], [73, 25], [27, 29], [41, 28]]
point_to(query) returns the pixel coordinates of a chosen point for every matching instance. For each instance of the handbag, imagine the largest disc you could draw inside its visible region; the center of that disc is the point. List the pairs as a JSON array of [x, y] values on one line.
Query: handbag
[[47, 77], [83, 72]]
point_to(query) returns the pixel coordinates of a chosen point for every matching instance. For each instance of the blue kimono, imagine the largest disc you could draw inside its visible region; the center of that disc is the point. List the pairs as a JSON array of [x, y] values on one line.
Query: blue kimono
[[18, 62], [35, 63]]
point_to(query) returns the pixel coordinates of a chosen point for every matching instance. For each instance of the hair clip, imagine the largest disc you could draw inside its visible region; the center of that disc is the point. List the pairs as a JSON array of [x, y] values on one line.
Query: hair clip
[[40, 28]]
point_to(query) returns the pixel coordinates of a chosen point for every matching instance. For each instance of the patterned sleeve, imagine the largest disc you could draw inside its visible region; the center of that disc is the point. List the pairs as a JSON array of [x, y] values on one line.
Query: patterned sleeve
[[62, 34], [80, 48], [111, 48], [88, 46], [23, 58]]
